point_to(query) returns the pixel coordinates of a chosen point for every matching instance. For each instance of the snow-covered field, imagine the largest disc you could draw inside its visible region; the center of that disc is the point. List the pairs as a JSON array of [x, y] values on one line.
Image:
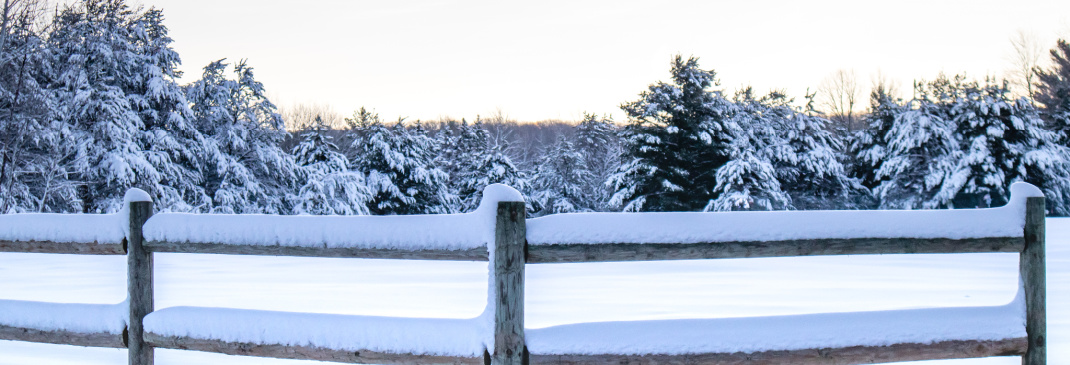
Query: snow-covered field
[[556, 294]]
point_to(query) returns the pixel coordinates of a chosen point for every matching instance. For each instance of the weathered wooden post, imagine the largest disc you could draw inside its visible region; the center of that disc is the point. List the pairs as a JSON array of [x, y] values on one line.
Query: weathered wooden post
[[510, 239], [139, 284], [1032, 271]]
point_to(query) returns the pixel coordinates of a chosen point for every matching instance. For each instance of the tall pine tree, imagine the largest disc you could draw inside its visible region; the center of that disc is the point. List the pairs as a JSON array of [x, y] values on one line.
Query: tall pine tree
[[399, 170], [245, 171], [561, 181], [598, 140], [676, 139], [1053, 91], [114, 84], [330, 187]]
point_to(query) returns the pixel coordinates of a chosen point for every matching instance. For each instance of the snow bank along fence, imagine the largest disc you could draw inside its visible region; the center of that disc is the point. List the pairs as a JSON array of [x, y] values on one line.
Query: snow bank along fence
[[498, 232]]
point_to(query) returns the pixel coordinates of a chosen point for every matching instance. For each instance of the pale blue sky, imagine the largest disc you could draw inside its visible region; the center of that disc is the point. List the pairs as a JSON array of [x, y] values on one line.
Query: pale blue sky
[[538, 60]]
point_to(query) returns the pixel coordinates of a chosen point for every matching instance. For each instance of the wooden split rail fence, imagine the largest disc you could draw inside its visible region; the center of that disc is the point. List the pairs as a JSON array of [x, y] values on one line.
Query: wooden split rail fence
[[512, 253]]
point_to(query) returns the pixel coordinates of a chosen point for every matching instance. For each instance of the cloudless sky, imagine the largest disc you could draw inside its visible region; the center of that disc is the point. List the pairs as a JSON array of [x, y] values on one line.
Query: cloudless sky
[[539, 60]]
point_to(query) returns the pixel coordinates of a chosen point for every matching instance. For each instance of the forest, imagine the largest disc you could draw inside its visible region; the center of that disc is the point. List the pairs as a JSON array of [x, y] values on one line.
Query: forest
[[90, 106]]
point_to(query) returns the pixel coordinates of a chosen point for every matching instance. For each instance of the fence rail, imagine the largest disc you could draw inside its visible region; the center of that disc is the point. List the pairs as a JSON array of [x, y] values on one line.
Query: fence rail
[[509, 252], [60, 337], [472, 254], [78, 248], [561, 253]]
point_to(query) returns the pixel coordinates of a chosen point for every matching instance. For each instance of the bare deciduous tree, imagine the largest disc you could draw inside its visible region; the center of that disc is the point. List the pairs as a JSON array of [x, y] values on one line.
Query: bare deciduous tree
[[302, 116], [6, 18], [884, 84], [1028, 52], [837, 95]]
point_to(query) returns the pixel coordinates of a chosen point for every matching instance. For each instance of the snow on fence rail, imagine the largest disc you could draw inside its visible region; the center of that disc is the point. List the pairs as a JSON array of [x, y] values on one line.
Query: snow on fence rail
[[497, 232]]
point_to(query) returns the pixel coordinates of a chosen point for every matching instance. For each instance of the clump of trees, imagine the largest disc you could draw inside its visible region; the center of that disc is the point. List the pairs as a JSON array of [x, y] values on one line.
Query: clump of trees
[[90, 107]]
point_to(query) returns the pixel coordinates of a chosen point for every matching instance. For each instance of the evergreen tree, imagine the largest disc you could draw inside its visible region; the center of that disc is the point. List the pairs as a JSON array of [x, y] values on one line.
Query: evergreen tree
[[171, 142], [1003, 141], [749, 180], [597, 140], [399, 170], [330, 188], [918, 151], [245, 169], [1053, 91], [676, 140], [114, 83], [562, 181], [962, 144], [867, 150], [808, 161], [493, 167], [469, 151], [34, 147]]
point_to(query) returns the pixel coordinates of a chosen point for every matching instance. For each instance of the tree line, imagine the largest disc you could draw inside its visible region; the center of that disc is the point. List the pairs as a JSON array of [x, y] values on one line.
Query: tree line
[[90, 106]]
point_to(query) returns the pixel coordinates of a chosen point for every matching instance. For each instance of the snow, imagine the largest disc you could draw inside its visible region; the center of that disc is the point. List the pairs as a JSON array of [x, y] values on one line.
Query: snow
[[76, 228], [430, 336], [73, 228], [681, 227], [136, 195], [80, 318], [434, 231], [644, 302], [781, 333], [447, 231], [557, 294]]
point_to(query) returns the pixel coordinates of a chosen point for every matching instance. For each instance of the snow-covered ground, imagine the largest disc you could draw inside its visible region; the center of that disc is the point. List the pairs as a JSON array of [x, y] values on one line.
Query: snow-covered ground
[[556, 294]]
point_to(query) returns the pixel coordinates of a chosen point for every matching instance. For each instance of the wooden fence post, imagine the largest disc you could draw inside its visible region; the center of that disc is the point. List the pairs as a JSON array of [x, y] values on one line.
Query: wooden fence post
[[139, 284], [1032, 271], [510, 239]]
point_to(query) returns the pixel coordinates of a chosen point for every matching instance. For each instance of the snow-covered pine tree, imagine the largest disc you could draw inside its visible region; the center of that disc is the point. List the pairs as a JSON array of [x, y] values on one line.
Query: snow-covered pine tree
[[399, 170], [445, 141], [330, 188], [495, 167], [598, 141], [95, 55], [1053, 91], [34, 148], [171, 142], [562, 181], [918, 151], [472, 164], [245, 169], [1053, 94], [1002, 141], [749, 180], [867, 146], [808, 162], [676, 139]]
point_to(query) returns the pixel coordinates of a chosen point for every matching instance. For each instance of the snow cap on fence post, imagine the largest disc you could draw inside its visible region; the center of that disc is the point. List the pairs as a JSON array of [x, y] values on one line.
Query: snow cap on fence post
[[1020, 191], [495, 193], [136, 195], [132, 195]]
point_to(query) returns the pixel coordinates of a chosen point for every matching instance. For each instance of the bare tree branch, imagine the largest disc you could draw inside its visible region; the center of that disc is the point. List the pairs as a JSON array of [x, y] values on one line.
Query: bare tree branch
[[883, 83], [1027, 55], [837, 96]]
